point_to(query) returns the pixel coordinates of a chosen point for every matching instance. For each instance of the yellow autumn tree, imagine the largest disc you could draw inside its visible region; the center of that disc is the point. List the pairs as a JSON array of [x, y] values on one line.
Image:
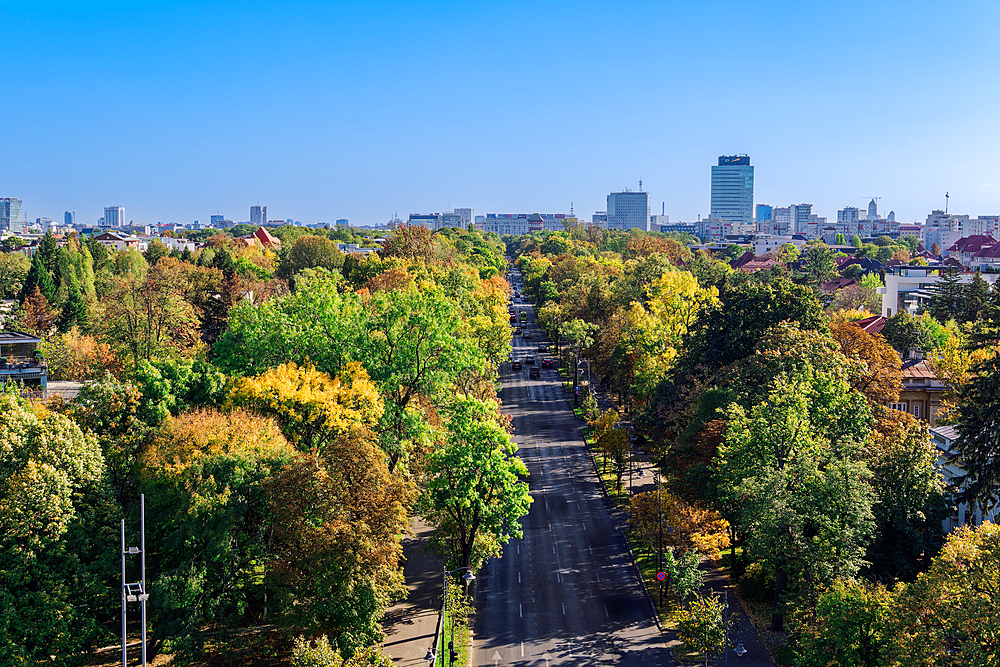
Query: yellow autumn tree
[[686, 527], [656, 328], [311, 407]]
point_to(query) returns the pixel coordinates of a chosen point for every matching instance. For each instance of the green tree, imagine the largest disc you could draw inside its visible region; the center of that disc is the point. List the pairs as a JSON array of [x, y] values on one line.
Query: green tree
[[948, 301], [950, 616], [856, 241], [792, 465], [976, 297], [904, 331], [912, 243], [308, 252], [48, 252], [56, 520], [475, 490], [74, 312], [702, 625], [731, 331], [986, 329], [978, 444], [841, 239], [819, 263], [40, 277], [156, 251], [14, 268], [848, 627]]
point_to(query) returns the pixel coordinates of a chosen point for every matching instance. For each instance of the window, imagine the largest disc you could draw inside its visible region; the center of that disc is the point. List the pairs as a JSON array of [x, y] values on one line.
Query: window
[[916, 411], [898, 406]]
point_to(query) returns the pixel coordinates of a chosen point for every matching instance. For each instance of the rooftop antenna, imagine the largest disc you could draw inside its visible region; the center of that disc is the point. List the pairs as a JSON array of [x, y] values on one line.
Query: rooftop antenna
[[946, 202], [571, 210], [640, 185]]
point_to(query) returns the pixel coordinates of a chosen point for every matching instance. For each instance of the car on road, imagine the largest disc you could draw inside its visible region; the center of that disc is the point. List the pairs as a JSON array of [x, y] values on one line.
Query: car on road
[[513, 319], [517, 331], [547, 363], [542, 347], [527, 334], [530, 359], [515, 365], [535, 373]]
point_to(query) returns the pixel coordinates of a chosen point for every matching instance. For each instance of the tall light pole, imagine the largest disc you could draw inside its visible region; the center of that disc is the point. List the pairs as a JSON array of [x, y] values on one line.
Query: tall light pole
[[135, 592], [467, 578], [659, 551]]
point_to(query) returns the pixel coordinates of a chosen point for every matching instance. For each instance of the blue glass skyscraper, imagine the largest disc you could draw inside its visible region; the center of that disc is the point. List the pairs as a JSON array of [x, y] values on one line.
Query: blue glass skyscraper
[[732, 189]]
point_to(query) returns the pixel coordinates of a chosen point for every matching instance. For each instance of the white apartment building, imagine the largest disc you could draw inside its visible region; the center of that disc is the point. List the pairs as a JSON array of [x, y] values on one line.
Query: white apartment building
[[903, 284], [518, 224], [944, 438]]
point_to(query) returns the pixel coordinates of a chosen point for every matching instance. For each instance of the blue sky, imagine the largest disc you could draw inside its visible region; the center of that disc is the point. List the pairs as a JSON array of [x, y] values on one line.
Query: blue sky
[[325, 110]]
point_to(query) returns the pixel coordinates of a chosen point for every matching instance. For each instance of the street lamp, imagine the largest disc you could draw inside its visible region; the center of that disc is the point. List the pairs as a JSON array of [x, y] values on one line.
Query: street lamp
[[739, 650], [467, 578]]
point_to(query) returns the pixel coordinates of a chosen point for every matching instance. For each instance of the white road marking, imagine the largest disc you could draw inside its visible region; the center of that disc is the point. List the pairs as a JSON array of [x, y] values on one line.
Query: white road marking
[[518, 577], [519, 549], [522, 649], [606, 614], [598, 577], [585, 525], [563, 607], [520, 611]]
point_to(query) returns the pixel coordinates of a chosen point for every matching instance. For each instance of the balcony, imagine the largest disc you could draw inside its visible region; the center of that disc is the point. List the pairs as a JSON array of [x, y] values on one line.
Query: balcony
[[20, 360]]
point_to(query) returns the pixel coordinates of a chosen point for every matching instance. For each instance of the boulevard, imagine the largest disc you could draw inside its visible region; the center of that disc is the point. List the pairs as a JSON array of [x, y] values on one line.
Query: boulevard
[[567, 593]]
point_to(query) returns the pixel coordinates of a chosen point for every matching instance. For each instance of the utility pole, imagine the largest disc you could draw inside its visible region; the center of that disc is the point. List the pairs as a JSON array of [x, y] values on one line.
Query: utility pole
[[659, 551], [135, 592]]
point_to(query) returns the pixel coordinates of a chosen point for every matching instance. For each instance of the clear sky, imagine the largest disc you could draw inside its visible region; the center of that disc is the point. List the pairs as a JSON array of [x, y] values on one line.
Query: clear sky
[[326, 110]]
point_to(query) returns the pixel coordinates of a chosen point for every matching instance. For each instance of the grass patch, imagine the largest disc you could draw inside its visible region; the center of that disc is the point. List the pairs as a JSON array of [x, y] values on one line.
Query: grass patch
[[455, 628]]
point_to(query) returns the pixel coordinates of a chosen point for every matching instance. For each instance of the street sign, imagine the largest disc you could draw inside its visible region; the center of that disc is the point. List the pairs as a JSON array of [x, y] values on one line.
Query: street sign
[[661, 576]]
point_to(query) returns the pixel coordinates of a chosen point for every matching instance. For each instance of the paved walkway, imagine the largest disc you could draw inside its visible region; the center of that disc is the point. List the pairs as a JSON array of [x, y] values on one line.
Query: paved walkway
[[410, 625]]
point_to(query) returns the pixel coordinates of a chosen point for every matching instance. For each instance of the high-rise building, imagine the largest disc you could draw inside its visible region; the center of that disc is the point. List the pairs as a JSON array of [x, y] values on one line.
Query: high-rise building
[[258, 215], [628, 210], [114, 216], [10, 215], [217, 221], [799, 217], [466, 214], [732, 189], [342, 222], [69, 218]]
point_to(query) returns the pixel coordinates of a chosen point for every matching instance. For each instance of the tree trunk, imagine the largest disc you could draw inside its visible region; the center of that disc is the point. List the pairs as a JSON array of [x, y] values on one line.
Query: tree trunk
[[780, 582]]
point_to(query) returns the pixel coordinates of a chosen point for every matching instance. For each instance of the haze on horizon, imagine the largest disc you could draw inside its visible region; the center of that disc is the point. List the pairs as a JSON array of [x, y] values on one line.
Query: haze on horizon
[[326, 110]]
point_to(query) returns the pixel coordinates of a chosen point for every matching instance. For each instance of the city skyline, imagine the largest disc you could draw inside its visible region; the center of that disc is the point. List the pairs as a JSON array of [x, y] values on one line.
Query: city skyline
[[334, 114]]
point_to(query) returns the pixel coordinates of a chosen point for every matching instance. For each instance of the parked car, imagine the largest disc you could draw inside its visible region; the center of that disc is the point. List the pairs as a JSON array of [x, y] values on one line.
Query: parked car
[[547, 363], [535, 372], [530, 359], [515, 365]]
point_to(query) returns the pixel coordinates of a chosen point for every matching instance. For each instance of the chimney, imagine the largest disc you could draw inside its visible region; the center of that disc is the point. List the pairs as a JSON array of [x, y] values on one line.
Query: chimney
[[916, 354]]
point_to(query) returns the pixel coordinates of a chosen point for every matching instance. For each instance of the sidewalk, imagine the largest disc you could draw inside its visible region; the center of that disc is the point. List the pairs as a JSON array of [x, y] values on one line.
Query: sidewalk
[[716, 580], [410, 625]]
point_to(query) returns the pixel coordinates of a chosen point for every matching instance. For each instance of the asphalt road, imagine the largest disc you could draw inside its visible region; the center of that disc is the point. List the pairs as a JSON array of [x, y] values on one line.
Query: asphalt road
[[567, 593]]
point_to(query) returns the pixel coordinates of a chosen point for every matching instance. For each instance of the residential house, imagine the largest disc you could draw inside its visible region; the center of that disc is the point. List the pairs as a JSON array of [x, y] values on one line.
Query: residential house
[[944, 438], [116, 241], [20, 360], [922, 391], [968, 247], [262, 238]]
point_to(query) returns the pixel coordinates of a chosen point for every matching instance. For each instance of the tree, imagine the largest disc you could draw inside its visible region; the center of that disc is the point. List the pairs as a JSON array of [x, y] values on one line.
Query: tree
[[39, 277], [986, 328], [475, 492], [658, 330], [792, 464], [311, 407], [56, 520], [904, 331], [156, 251], [409, 242], [948, 301], [731, 331], [950, 616], [881, 377], [145, 315], [37, 317], [841, 239], [308, 252], [978, 445], [935, 249], [856, 241], [686, 527], [79, 357], [338, 518], [204, 477], [909, 497], [702, 625], [74, 312], [850, 626], [14, 269], [977, 294], [819, 263]]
